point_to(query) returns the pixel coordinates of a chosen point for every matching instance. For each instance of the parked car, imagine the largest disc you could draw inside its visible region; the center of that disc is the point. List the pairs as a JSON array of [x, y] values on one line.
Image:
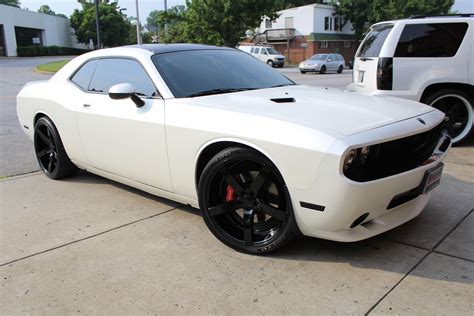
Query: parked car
[[266, 54], [425, 59], [262, 157], [322, 63]]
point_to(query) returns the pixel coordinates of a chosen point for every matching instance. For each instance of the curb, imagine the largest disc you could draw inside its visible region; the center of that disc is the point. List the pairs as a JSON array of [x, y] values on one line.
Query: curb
[[43, 72]]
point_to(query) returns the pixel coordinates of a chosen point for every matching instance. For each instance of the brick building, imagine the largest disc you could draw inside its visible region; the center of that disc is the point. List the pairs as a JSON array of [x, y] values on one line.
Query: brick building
[[301, 32]]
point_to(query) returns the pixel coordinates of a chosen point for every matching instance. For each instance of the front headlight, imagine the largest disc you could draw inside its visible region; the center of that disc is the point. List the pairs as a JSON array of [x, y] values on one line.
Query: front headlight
[[355, 157]]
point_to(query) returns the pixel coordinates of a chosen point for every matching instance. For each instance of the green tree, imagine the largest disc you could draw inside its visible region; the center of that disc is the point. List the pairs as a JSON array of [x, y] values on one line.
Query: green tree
[[12, 3], [363, 13], [47, 10], [114, 26], [223, 22]]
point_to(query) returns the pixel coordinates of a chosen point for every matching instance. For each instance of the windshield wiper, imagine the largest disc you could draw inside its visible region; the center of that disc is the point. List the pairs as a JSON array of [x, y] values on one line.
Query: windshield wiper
[[217, 91], [283, 85]]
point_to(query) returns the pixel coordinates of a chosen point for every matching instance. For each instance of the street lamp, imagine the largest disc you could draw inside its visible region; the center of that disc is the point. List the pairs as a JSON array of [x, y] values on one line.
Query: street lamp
[[97, 27], [139, 38]]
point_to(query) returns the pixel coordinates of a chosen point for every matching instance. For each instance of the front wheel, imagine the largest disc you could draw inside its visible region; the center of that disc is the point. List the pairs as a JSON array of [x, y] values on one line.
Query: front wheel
[[303, 72], [245, 203], [270, 63], [50, 152], [322, 70], [458, 107]]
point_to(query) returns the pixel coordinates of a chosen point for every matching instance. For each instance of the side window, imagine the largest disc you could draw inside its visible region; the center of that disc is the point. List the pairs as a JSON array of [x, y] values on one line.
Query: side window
[[83, 76], [113, 71], [252, 50], [431, 40], [263, 51], [257, 50]]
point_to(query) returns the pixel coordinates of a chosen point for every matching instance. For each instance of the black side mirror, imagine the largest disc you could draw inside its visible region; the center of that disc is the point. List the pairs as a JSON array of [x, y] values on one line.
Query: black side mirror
[[124, 91]]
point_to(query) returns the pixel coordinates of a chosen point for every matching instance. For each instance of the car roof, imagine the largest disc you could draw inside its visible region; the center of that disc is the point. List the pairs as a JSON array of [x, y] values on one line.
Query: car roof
[[168, 48], [427, 19]]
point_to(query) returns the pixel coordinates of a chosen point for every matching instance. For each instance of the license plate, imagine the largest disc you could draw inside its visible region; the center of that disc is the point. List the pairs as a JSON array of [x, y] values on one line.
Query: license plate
[[432, 178], [361, 76]]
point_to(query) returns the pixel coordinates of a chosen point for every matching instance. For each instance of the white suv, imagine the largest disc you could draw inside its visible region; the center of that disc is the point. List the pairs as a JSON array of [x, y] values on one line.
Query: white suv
[[426, 59]]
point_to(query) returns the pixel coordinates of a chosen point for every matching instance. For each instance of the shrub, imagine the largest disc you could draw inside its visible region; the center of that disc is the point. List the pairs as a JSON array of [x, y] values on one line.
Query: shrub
[[36, 50]]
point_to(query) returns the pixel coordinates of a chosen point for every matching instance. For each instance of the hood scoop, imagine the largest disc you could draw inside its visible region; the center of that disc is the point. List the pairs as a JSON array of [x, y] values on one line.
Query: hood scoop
[[283, 100]]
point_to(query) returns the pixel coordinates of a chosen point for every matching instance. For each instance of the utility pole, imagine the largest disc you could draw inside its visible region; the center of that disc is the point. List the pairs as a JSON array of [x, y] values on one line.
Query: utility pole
[[97, 26], [139, 37], [166, 22]]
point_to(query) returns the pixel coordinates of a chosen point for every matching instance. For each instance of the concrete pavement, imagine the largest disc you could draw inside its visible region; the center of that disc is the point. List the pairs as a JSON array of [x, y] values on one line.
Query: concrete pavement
[[90, 245]]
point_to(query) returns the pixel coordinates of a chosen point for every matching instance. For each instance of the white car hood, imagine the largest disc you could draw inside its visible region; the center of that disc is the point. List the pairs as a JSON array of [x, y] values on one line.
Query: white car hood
[[322, 109]]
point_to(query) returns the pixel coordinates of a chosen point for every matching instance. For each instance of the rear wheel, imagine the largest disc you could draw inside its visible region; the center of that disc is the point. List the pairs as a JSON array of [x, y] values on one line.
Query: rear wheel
[[458, 107], [322, 70], [52, 157], [340, 70], [245, 202]]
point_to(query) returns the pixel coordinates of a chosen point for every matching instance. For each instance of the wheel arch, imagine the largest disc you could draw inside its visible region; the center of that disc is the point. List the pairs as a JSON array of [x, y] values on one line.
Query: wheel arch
[[39, 115], [463, 87], [213, 147]]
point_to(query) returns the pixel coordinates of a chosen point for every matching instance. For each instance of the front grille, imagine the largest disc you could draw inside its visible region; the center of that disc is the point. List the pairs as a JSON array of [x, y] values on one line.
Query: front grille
[[397, 156]]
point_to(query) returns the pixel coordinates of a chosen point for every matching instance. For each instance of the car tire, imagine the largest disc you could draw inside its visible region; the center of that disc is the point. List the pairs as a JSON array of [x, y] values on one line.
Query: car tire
[[245, 202], [458, 107], [322, 70], [340, 70], [50, 153], [270, 63], [280, 66], [303, 72]]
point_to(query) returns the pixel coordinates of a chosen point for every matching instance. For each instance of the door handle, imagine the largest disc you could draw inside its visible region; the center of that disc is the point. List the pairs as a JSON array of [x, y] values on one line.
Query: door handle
[[86, 105]]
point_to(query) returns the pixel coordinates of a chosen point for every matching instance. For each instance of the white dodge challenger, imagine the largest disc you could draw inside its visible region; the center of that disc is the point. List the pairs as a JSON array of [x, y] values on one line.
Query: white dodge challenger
[[263, 158]]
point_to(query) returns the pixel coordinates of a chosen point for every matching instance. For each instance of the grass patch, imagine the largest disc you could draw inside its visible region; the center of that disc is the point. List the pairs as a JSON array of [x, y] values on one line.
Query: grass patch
[[53, 66]]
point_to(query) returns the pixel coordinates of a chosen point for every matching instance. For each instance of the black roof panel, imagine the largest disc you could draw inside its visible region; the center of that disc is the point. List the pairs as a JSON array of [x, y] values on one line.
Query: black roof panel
[[168, 48]]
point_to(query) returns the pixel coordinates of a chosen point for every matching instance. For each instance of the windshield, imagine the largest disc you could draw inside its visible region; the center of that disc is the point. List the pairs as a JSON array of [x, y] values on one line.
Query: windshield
[[373, 42], [319, 57], [272, 51], [192, 73]]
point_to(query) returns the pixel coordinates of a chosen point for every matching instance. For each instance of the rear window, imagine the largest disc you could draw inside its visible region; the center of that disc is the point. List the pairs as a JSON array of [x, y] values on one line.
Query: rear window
[[373, 42], [431, 40]]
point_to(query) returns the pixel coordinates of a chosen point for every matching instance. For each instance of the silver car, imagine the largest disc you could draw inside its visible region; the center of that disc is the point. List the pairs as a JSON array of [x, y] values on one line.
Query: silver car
[[322, 63]]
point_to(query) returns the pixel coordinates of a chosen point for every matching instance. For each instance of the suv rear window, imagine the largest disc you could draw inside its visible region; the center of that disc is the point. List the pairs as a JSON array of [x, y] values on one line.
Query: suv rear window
[[431, 40], [373, 42]]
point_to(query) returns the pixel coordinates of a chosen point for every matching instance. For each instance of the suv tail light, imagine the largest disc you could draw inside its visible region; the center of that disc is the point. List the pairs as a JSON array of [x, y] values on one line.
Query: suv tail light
[[385, 73]]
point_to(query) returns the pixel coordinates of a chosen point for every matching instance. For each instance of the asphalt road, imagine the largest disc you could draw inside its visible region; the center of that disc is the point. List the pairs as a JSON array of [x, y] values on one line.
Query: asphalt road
[[90, 245]]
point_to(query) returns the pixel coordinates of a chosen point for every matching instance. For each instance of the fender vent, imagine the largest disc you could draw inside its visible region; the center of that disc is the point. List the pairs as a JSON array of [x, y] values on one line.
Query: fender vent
[[284, 100]]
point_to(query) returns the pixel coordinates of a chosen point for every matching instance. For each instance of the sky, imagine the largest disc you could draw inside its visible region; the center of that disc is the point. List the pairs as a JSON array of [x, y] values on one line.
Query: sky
[[146, 6], [67, 6]]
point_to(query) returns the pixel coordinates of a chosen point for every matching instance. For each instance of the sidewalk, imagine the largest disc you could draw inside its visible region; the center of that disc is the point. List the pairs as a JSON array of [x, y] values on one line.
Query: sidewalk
[[89, 245]]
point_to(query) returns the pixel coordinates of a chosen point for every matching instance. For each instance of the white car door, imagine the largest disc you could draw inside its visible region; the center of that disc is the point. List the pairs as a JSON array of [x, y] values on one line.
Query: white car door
[[119, 137]]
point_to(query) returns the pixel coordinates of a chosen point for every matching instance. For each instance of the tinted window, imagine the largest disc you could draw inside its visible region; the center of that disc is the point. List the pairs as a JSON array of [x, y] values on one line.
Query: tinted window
[[113, 71], [431, 40], [252, 50], [83, 76], [189, 72], [373, 42], [257, 50]]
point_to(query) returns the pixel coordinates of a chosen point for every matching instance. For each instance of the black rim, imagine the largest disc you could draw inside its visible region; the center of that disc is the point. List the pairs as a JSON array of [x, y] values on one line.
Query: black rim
[[247, 202], [457, 115], [45, 147]]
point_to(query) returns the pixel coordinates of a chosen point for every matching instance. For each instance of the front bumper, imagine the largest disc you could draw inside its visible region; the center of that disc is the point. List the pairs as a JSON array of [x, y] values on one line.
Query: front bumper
[[309, 68], [345, 200]]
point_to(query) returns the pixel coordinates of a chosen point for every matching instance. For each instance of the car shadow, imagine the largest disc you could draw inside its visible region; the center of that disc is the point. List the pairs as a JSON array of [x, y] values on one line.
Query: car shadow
[[382, 252]]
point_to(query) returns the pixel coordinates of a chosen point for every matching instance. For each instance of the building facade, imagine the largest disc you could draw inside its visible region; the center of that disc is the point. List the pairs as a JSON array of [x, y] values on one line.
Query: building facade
[[20, 27], [301, 32]]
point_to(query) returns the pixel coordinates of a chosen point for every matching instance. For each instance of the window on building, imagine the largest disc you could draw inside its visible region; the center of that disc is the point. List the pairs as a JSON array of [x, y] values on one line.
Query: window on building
[[289, 23], [336, 24], [328, 23], [431, 40], [268, 24], [323, 44], [110, 72], [347, 44]]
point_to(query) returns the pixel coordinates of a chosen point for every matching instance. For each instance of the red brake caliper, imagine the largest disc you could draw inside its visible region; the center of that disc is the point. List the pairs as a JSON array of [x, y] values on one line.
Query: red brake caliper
[[230, 194]]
